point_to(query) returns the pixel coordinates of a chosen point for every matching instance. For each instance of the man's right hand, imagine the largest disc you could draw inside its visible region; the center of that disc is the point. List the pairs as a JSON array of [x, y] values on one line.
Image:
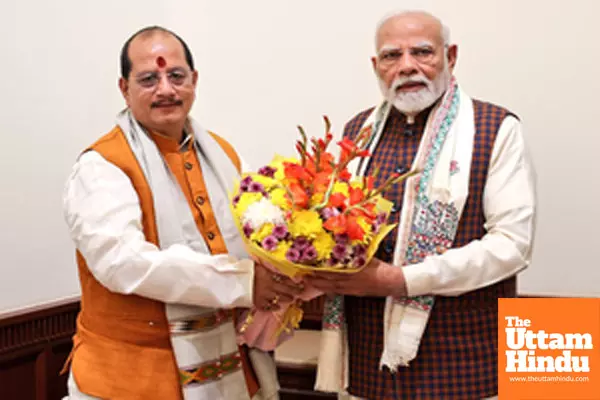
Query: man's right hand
[[272, 289]]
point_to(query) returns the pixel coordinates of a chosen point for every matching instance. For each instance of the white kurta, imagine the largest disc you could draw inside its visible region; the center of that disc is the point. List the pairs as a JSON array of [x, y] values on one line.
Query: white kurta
[[509, 204], [103, 214]]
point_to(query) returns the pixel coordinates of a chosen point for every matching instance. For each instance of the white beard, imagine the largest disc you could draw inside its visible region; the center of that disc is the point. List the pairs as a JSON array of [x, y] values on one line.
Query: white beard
[[412, 103]]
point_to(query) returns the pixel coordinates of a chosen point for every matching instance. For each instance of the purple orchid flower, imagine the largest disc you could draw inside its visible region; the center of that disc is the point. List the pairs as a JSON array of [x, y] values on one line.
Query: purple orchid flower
[[267, 171], [247, 228], [293, 255], [280, 231], [300, 243], [359, 250], [339, 251], [256, 187], [359, 261], [245, 184], [329, 212], [270, 243], [341, 238], [309, 253]]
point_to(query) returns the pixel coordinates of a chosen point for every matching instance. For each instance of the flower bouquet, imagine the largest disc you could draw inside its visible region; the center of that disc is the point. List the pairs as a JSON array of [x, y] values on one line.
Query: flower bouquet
[[305, 214]]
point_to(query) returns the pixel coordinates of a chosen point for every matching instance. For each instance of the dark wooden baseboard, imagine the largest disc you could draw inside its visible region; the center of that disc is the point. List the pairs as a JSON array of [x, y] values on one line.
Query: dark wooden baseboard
[[298, 394], [34, 344]]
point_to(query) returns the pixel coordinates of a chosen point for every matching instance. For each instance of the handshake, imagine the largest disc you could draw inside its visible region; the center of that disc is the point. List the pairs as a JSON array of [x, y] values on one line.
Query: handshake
[[272, 289], [276, 312]]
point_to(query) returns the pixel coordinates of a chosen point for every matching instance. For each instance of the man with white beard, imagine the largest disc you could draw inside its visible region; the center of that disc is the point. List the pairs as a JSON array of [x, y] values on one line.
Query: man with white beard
[[421, 320]]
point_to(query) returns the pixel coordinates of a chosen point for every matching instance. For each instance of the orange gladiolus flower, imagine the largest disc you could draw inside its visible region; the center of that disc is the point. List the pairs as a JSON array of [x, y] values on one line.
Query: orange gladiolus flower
[[345, 175], [356, 195], [347, 147], [354, 230], [325, 160], [321, 182], [337, 200], [336, 224], [296, 171], [299, 195], [360, 212]]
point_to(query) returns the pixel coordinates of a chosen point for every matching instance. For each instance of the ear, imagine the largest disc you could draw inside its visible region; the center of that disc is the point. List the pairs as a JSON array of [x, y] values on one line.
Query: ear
[[194, 78], [374, 63], [452, 56], [124, 87]]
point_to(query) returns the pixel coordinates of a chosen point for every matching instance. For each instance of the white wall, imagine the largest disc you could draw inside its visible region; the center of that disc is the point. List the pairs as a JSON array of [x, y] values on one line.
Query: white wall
[[268, 65]]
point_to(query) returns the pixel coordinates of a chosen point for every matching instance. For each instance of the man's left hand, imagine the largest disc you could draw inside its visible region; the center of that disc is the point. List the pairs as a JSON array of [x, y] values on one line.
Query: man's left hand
[[376, 279]]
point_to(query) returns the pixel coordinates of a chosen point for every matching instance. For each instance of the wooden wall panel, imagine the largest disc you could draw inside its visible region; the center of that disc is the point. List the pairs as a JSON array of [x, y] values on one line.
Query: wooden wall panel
[[34, 345]]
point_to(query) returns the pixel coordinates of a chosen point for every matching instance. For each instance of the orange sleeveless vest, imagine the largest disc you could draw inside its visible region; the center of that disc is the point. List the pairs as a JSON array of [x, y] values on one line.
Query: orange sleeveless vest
[[122, 348]]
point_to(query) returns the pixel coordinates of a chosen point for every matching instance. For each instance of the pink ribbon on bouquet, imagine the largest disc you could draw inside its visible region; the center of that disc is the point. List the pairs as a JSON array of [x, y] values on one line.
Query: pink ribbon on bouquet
[[260, 328]]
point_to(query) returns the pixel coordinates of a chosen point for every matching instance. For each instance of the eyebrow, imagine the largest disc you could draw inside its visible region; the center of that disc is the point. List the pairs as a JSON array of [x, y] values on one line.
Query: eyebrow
[[388, 47], [424, 44], [420, 45], [150, 72]]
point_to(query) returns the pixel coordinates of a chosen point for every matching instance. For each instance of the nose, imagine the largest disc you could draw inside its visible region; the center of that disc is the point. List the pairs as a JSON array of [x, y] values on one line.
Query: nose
[[407, 65], [165, 87]]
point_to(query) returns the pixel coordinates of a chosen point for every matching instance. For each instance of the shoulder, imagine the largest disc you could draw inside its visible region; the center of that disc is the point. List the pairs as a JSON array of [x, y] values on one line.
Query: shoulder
[[94, 176], [108, 139], [92, 169], [486, 112], [500, 130], [228, 149], [98, 163], [354, 125]]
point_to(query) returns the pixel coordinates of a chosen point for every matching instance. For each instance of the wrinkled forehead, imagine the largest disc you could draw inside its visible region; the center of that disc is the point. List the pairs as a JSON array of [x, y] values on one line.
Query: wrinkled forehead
[[155, 51], [409, 31]]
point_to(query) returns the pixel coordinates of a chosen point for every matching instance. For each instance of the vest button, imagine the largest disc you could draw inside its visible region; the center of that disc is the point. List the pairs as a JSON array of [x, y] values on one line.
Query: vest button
[[210, 235], [200, 200], [188, 165], [401, 169]]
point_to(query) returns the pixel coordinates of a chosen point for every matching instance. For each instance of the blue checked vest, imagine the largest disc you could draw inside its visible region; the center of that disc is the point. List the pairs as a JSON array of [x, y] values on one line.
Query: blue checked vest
[[457, 358]]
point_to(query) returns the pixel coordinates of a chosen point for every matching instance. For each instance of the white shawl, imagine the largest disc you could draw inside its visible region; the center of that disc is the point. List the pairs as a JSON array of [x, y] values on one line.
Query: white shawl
[[176, 225]]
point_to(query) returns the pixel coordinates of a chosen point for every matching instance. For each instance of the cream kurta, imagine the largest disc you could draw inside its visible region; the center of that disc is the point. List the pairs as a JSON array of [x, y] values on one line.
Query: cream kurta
[[103, 213]]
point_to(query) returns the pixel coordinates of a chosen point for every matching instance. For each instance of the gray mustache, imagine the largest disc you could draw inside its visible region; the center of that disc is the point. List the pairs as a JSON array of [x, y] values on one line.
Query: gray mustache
[[166, 103]]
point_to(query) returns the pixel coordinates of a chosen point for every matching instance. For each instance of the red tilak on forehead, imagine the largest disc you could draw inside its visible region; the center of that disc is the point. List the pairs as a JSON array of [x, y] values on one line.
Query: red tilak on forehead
[[161, 62]]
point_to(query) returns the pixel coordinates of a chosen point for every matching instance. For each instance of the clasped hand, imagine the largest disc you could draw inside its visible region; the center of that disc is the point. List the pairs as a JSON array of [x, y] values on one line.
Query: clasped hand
[[378, 279], [272, 289]]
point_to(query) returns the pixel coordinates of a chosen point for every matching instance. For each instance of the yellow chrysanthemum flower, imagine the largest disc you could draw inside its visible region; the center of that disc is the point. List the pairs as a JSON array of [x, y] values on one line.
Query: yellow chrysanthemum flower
[[357, 184], [245, 200], [267, 182], [262, 232], [278, 196], [305, 223], [277, 163], [366, 226], [316, 198], [281, 250], [324, 244], [340, 187]]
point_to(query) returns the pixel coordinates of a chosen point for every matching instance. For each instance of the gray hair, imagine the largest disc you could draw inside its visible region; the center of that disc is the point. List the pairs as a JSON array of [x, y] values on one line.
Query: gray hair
[[393, 14]]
